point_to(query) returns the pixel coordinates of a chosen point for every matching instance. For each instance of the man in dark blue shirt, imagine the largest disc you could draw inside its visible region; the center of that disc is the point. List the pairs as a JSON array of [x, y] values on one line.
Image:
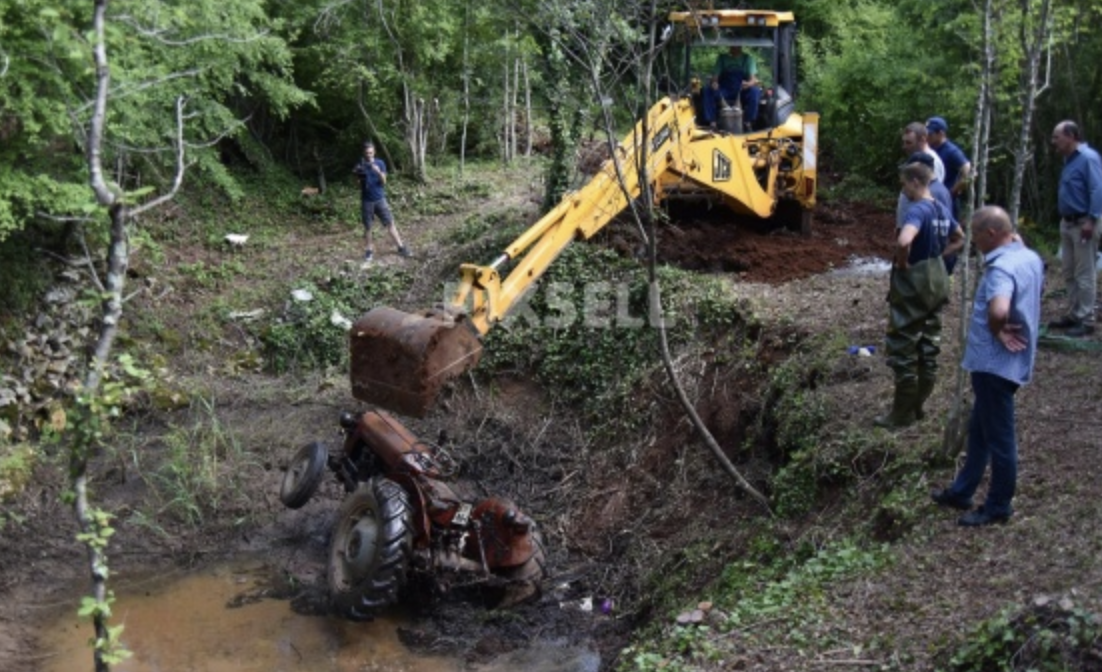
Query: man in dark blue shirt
[[917, 293], [1079, 201], [958, 169], [937, 190], [372, 175]]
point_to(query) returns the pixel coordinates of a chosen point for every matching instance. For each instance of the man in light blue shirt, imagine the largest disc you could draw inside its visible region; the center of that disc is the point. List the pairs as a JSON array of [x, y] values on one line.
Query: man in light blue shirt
[[1000, 352], [1079, 201]]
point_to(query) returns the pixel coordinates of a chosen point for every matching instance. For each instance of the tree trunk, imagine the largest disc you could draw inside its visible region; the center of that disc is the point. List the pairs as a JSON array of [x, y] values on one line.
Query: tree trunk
[[956, 424], [506, 127], [513, 110], [466, 87], [527, 110], [1033, 45]]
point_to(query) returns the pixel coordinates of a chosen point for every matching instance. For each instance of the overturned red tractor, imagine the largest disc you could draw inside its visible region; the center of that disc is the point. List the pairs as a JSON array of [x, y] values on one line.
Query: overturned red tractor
[[400, 517]]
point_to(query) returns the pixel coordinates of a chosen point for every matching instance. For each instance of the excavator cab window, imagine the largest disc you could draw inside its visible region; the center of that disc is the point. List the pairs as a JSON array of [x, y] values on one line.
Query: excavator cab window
[[695, 55]]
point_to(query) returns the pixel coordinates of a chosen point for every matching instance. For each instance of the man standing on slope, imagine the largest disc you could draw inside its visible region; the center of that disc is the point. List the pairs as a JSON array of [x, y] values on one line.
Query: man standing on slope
[[999, 353], [372, 175], [1079, 201]]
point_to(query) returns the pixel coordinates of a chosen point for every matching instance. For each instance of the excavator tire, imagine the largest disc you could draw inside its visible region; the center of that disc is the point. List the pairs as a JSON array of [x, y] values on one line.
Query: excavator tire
[[303, 475], [370, 551], [525, 580], [792, 216]]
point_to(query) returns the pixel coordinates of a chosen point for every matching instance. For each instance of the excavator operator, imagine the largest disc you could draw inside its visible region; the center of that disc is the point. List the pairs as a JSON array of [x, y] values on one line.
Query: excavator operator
[[738, 79]]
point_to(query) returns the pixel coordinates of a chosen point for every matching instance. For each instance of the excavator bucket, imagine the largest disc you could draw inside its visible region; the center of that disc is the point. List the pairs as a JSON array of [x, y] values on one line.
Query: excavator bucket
[[401, 360]]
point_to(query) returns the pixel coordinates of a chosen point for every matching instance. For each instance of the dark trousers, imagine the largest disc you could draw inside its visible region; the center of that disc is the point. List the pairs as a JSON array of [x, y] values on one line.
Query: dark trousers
[[991, 438]]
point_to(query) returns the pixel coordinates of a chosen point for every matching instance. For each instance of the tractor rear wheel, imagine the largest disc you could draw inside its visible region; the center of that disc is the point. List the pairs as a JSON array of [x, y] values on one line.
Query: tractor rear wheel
[[303, 475], [370, 551]]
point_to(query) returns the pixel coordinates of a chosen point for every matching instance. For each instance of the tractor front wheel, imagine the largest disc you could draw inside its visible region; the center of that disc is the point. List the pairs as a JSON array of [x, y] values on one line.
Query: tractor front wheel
[[370, 551], [303, 475]]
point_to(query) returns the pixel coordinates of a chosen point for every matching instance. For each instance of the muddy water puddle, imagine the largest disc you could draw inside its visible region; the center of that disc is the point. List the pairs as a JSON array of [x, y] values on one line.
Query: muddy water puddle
[[858, 266], [219, 620]]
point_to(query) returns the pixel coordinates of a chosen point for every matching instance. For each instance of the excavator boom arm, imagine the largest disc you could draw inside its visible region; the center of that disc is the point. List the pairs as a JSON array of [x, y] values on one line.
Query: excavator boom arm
[[401, 361], [580, 215]]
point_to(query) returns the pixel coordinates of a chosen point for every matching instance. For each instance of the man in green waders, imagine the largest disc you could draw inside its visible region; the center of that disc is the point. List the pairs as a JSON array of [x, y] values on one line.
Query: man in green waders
[[919, 290]]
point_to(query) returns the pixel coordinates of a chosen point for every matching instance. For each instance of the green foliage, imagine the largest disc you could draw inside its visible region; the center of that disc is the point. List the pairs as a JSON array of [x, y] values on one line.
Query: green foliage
[[16, 464], [861, 188], [1045, 638], [211, 275], [587, 335], [780, 602], [212, 54], [94, 410], [496, 229], [110, 647], [800, 592], [24, 275], [306, 337], [867, 75]]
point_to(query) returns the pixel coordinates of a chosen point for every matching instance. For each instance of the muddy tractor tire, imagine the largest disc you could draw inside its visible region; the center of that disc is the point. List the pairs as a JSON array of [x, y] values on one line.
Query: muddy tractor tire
[[370, 551], [303, 475], [525, 581]]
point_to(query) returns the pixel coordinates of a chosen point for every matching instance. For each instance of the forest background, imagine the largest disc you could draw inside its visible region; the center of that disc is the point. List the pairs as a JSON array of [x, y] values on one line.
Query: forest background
[[298, 86]]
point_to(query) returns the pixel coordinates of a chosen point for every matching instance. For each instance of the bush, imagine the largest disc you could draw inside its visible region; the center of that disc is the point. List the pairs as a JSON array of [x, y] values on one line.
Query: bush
[[309, 334]]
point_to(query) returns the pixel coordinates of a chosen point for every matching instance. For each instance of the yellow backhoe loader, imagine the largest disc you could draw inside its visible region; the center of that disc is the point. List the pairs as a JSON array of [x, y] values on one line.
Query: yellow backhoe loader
[[697, 143]]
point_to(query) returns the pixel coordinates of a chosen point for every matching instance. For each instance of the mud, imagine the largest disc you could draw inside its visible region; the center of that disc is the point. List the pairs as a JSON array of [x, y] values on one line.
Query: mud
[[716, 241]]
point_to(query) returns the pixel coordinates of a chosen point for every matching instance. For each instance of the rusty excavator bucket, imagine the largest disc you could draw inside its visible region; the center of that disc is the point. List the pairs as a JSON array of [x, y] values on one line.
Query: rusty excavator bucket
[[400, 361]]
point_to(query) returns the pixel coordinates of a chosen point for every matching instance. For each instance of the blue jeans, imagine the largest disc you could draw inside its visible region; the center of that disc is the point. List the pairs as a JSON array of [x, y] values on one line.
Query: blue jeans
[[990, 439], [749, 99]]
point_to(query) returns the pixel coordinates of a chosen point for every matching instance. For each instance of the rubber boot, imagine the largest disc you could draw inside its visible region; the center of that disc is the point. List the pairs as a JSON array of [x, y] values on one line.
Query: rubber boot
[[925, 389], [903, 406]]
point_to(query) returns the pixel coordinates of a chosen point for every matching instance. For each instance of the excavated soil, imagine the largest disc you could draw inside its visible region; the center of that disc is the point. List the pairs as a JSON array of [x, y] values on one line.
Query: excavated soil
[[611, 516]]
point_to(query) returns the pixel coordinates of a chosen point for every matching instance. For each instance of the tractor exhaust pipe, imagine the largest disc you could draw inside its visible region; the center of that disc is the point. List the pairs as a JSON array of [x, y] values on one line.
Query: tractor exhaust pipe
[[400, 361]]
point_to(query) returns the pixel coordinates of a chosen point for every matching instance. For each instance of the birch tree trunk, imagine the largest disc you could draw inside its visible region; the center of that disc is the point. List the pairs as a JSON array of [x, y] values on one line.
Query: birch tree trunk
[[413, 107], [506, 127], [957, 421], [94, 525], [513, 109], [527, 109], [466, 87], [1033, 46]]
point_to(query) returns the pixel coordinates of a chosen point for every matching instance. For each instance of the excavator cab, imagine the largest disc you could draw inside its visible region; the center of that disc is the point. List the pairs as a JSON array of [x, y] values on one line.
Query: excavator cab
[[699, 46]]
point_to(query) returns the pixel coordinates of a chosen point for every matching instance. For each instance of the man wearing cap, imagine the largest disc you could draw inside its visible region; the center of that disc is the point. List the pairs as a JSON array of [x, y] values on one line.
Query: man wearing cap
[[1079, 201], [958, 168]]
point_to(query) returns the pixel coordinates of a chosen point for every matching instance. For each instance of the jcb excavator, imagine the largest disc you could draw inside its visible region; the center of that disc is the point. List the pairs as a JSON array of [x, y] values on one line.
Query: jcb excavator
[[764, 169]]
